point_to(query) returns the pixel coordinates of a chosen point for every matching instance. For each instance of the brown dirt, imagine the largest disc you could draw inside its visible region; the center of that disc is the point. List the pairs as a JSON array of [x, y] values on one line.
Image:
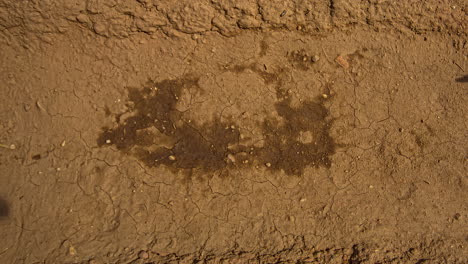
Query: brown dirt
[[233, 131]]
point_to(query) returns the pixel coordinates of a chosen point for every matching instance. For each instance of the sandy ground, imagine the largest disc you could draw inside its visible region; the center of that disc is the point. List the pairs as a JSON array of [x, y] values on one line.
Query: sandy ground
[[233, 131]]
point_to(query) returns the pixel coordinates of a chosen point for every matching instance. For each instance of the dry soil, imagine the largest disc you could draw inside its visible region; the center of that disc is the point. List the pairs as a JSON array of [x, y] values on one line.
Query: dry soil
[[222, 131]]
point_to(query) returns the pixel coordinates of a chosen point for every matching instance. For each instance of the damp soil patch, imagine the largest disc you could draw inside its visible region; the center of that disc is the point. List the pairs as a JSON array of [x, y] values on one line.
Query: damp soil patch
[[156, 133]]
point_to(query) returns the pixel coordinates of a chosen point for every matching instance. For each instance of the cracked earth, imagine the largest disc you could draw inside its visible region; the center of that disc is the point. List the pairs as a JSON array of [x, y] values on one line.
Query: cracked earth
[[233, 131]]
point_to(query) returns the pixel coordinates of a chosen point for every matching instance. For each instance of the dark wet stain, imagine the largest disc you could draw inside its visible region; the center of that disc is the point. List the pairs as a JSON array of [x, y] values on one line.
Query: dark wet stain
[[36, 157], [302, 140], [419, 141], [463, 79], [263, 48], [107, 111], [158, 134], [4, 209], [268, 77]]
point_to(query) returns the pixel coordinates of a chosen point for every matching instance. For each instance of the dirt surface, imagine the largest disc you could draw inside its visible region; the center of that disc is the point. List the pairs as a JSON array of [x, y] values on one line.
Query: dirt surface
[[233, 131]]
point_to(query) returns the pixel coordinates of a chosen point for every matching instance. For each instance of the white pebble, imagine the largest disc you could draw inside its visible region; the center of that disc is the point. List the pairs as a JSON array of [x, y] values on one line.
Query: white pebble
[[231, 158]]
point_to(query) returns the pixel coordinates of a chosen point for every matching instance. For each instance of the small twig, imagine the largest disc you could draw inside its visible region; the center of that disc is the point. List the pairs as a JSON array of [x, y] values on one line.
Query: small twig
[[454, 62], [40, 106], [326, 56]]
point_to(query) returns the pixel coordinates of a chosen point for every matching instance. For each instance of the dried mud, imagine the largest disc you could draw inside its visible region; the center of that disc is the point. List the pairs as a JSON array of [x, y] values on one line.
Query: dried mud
[[233, 131]]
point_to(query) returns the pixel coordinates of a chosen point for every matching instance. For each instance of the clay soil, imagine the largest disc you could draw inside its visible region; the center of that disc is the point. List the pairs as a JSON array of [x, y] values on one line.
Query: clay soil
[[222, 131]]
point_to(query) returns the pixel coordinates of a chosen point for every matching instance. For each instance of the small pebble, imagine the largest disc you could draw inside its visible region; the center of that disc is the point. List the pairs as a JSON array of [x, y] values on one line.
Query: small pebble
[[108, 141], [72, 251], [99, 28], [143, 255], [325, 96], [268, 164], [62, 29], [172, 157], [82, 18], [231, 158], [315, 58], [12, 146]]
